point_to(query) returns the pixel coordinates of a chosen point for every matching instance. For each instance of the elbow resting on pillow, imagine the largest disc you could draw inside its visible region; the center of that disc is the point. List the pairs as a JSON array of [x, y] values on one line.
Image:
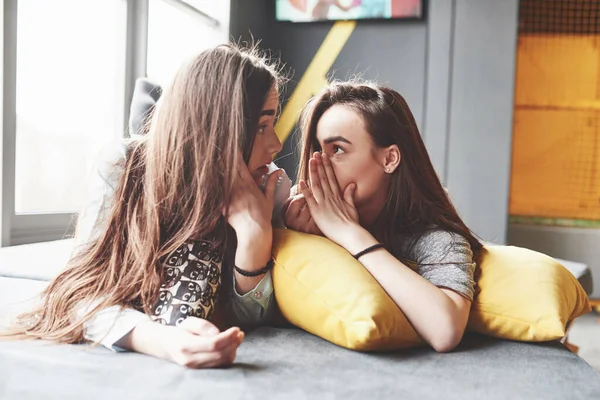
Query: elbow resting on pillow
[[447, 334]]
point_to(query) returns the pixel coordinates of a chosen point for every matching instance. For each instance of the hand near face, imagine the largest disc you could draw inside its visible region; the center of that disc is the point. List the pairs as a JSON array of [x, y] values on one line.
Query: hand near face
[[250, 210], [334, 213], [296, 215]]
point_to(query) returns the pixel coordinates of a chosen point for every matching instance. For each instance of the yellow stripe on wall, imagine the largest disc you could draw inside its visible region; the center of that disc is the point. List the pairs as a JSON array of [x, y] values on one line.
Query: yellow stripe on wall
[[315, 77]]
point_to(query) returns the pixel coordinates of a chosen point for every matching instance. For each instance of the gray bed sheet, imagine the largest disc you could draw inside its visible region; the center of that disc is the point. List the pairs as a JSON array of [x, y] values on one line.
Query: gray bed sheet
[[288, 364], [291, 364]]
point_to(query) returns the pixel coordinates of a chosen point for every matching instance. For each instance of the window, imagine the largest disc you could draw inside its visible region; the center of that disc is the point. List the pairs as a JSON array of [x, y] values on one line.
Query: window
[[176, 33], [69, 71], [69, 97]]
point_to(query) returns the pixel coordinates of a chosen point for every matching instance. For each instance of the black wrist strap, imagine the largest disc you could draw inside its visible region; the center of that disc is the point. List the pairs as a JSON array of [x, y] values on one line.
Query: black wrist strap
[[368, 250], [252, 274]]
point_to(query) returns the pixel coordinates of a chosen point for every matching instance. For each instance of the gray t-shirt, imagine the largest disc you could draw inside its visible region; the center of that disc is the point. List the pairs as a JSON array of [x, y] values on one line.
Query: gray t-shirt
[[445, 259]]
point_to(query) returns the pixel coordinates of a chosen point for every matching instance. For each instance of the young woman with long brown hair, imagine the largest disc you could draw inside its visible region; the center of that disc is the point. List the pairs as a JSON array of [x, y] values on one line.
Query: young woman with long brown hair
[[179, 229], [367, 183]]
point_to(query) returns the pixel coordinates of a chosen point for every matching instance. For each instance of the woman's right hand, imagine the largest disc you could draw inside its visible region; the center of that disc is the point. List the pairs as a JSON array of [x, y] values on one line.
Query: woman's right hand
[[195, 343], [250, 215], [296, 216]]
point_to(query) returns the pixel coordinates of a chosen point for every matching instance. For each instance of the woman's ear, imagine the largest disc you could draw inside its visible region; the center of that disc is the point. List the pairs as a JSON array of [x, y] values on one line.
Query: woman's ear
[[391, 158]]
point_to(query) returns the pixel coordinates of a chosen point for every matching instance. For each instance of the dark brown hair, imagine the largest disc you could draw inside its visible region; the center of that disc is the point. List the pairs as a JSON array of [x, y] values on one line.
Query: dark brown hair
[[417, 200]]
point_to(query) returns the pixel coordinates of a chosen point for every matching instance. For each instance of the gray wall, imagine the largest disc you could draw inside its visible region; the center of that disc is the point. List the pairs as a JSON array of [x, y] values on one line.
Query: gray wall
[[456, 70], [480, 118]]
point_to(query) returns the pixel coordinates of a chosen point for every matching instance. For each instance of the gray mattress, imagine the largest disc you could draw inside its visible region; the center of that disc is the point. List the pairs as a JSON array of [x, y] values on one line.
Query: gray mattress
[[290, 364], [282, 364]]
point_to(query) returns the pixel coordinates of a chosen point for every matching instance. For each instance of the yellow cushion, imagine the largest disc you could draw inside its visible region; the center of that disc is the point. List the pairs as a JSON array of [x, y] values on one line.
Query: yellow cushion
[[524, 295], [322, 289], [319, 287]]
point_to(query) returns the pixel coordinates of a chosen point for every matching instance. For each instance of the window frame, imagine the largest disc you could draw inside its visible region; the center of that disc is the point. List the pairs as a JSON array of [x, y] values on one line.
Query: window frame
[[33, 227]]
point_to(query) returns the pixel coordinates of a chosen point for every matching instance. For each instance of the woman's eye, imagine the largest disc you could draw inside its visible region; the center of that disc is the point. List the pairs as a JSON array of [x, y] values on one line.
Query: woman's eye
[[337, 150], [262, 129]]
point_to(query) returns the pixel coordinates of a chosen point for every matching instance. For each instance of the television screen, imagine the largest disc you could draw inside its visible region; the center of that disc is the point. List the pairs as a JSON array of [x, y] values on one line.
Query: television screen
[[326, 10]]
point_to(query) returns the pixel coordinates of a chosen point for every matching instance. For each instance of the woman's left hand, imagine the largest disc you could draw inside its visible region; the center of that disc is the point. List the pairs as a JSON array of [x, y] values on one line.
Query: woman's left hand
[[251, 209], [334, 213]]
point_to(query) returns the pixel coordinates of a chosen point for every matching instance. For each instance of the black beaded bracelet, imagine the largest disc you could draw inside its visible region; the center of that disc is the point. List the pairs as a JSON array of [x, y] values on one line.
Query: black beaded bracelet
[[252, 274], [368, 250]]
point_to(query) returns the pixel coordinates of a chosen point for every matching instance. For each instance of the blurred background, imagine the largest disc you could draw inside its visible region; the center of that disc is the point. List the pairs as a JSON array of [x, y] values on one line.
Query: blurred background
[[506, 95]]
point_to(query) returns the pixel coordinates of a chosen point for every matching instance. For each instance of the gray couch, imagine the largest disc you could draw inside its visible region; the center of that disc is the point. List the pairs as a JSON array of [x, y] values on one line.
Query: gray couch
[[274, 363]]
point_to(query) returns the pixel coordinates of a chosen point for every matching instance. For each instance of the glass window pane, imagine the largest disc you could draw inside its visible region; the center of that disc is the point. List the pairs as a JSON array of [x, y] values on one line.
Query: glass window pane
[[175, 35], [70, 91]]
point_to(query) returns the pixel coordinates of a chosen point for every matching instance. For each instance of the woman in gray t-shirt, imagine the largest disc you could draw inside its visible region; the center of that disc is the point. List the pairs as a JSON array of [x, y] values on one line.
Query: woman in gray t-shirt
[[367, 183]]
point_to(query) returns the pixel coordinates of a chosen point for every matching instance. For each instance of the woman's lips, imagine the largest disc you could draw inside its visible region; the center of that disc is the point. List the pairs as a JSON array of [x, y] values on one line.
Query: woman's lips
[[259, 174], [262, 171]]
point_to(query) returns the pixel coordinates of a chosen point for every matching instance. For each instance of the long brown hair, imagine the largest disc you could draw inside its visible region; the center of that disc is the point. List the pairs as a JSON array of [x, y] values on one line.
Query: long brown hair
[[417, 200], [174, 185]]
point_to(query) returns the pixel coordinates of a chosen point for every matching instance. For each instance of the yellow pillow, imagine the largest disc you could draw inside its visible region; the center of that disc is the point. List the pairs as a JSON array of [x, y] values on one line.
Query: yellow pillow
[[524, 295], [319, 287], [322, 289]]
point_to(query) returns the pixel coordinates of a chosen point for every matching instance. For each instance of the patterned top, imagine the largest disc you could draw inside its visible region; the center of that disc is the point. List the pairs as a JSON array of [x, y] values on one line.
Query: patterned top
[[191, 283]]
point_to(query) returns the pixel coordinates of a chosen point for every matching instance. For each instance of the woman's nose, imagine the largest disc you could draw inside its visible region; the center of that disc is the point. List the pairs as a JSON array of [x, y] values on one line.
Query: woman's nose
[[275, 146]]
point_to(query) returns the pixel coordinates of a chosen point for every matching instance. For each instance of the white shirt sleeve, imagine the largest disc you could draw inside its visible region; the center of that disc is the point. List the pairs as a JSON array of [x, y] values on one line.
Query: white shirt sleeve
[[110, 325], [101, 187]]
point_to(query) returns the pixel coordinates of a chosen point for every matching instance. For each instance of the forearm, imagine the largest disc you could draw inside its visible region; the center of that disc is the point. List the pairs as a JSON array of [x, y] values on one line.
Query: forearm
[[144, 339], [253, 252], [433, 314]]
